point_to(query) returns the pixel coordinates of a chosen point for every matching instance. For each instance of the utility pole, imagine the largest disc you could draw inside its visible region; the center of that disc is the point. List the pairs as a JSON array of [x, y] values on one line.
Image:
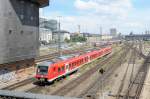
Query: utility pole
[[59, 38], [79, 27], [101, 32]]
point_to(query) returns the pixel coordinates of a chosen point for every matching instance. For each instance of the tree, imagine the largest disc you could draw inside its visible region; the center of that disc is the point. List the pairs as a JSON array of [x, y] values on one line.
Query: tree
[[67, 40], [77, 38]]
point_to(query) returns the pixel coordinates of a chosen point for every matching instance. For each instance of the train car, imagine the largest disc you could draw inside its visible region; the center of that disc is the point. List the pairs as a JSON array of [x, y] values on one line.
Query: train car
[[49, 71]]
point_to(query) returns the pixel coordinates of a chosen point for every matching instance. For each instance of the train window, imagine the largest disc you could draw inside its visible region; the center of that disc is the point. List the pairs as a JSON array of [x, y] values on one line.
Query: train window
[[86, 58], [69, 65], [63, 68], [77, 63], [59, 70], [43, 70]]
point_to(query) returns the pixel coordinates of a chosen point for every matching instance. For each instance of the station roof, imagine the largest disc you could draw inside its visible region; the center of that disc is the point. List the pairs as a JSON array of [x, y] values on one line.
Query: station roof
[[65, 57], [42, 3]]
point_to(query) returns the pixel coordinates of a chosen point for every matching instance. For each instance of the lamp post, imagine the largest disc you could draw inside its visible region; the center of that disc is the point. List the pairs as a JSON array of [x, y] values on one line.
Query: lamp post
[[101, 32], [59, 38]]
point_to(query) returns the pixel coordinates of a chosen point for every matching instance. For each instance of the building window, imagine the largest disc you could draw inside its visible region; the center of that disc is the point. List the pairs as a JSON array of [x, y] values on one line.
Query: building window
[[21, 1], [31, 32], [32, 5], [22, 17], [21, 32], [31, 18], [10, 13], [10, 31], [32, 47]]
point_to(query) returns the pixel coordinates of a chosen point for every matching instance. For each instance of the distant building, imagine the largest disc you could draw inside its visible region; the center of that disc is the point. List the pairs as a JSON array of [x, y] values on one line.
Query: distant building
[[63, 35], [106, 37], [45, 35], [147, 32], [138, 37], [46, 29], [48, 24], [113, 32], [84, 34], [93, 38]]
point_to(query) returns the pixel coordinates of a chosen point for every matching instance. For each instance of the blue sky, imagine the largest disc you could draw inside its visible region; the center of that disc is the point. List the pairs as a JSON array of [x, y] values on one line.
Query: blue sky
[[125, 15]]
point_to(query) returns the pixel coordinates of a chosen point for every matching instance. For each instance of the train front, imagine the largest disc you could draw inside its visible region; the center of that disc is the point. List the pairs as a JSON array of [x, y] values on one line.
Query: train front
[[42, 71]]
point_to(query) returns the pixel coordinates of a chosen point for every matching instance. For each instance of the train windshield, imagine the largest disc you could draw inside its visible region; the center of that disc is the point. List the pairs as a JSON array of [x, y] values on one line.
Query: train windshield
[[42, 70]]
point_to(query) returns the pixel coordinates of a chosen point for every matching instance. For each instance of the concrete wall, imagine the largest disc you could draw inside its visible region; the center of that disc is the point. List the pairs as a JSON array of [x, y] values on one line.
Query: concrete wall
[[19, 33]]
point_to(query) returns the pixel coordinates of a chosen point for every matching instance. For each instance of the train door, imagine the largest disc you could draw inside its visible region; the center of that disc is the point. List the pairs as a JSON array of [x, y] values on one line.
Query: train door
[[67, 68]]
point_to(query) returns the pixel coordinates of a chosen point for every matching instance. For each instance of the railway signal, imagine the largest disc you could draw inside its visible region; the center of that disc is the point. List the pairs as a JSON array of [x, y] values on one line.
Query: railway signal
[[101, 71]]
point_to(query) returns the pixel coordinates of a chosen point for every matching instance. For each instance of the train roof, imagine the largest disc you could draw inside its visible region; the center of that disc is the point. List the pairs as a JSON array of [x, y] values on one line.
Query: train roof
[[65, 57], [45, 63], [68, 58]]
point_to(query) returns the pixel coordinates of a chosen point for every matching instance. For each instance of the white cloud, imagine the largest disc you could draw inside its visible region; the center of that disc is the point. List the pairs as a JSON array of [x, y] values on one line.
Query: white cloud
[[91, 14], [108, 7]]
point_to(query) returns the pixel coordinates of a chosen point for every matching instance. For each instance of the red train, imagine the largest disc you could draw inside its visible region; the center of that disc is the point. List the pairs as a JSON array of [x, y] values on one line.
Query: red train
[[50, 71]]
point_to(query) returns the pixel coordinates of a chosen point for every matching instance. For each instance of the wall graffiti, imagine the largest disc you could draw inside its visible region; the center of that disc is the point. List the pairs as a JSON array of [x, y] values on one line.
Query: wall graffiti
[[6, 75]]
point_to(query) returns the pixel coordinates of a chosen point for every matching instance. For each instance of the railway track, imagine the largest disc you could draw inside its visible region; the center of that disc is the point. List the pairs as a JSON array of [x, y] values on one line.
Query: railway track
[[74, 83], [94, 87], [130, 61], [136, 80], [19, 84], [136, 85]]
